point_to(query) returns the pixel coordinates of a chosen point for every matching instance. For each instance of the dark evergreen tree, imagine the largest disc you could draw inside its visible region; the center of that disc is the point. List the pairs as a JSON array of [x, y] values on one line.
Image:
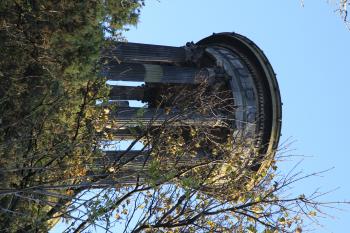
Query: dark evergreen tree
[[48, 90]]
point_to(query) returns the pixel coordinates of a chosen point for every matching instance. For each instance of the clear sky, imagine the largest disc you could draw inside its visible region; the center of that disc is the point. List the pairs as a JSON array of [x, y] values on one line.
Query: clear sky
[[310, 52], [309, 48]]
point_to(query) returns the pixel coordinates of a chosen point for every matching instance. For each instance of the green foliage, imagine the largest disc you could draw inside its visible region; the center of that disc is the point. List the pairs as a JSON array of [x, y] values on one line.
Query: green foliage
[[49, 86]]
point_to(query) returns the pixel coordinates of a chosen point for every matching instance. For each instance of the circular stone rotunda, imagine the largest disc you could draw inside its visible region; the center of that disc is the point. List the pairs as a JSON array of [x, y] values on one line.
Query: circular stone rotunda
[[223, 85]]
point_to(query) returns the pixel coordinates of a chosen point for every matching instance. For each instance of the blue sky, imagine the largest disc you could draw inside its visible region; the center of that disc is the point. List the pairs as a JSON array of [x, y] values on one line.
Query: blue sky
[[310, 52]]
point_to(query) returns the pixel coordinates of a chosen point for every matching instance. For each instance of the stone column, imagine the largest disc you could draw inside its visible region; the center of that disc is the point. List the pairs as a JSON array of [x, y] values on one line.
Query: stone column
[[124, 133], [118, 103], [126, 117], [151, 73], [146, 53], [127, 93], [137, 159]]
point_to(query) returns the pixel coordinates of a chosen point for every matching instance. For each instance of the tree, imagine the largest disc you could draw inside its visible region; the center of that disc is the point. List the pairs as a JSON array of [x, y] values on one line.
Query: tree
[[343, 11], [48, 89], [341, 8], [171, 193]]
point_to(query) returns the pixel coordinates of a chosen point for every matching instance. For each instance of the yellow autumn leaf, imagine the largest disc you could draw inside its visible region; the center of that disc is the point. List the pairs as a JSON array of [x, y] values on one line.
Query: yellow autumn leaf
[[312, 213], [70, 192], [106, 110]]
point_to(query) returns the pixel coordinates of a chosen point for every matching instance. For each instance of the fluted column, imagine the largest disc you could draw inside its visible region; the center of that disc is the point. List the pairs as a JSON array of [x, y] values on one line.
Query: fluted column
[[157, 73], [146, 53], [118, 103], [124, 133], [137, 159], [126, 117], [127, 93]]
